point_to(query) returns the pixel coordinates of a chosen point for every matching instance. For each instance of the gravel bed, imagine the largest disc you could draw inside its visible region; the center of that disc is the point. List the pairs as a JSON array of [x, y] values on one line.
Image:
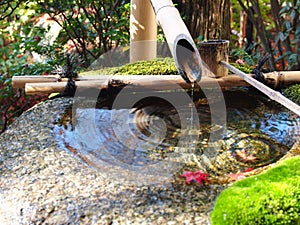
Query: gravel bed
[[41, 183]]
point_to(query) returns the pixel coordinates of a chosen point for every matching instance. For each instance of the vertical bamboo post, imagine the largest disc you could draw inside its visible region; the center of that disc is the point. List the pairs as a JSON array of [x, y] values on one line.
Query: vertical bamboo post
[[143, 31], [212, 53]]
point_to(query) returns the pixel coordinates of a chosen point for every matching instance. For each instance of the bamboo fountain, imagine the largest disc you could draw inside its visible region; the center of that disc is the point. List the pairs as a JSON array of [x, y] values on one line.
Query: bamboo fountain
[[143, 25]]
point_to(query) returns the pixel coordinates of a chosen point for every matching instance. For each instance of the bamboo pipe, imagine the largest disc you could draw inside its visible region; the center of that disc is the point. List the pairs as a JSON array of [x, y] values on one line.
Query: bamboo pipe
[[281, 79], [45, 88], [181, 44], [274, 79], [274, 95], [20, 81], [59, 87], [143, 31], [135, 82]]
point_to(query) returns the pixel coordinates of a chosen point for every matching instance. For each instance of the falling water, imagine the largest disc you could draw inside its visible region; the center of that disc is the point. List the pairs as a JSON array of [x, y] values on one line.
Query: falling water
[[192, 111]]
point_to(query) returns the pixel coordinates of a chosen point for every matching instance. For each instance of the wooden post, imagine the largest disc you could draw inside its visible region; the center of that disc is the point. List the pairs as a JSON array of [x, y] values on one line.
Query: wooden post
[[143, 31], [212, 53]]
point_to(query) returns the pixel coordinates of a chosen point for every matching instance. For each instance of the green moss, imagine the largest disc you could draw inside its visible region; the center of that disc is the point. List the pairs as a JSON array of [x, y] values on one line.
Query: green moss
[[159, 66], [244, 68], [293, 93], [272, 197]]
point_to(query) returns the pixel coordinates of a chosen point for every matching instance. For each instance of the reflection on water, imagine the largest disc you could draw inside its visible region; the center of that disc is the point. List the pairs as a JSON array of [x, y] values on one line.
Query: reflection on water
[[143, 140]]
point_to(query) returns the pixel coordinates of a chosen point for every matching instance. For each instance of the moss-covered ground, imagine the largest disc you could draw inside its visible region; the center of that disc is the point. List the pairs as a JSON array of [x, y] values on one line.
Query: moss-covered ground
[[272, 197], [293, 93], [159, 66]]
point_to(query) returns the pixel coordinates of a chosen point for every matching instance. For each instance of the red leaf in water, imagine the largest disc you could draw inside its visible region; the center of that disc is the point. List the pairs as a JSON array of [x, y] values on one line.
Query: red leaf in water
[[197, 176], [248, 170], [236, 176], [239, 175], [244, 157]]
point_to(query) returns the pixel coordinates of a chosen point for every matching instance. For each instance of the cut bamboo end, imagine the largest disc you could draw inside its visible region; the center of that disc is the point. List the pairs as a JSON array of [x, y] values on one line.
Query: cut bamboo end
[[183, 49], [281, 79]]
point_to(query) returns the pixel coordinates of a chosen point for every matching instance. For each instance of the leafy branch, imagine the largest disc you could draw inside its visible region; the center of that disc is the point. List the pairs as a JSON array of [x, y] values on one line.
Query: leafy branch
[[93, 27], [286, 20], [7, 7]]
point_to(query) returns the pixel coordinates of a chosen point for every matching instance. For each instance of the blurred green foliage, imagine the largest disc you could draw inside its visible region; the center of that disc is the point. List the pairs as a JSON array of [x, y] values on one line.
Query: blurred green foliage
[[293, 93], [92, 28], [277, 31], [18, 39]]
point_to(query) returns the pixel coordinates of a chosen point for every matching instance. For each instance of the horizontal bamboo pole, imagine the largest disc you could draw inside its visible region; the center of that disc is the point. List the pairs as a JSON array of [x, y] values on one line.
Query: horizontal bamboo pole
[[59, 87], [274, 95], [274, 79], [280, 79], [20, 81], [153, 82], [45, 88]]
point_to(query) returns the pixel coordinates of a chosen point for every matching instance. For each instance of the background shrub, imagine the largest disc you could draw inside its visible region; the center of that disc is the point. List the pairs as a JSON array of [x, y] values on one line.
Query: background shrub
[[89, 28]]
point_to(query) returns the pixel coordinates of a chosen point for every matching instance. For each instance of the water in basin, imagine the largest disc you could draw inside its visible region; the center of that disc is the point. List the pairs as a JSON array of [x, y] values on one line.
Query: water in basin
[[148, 140]]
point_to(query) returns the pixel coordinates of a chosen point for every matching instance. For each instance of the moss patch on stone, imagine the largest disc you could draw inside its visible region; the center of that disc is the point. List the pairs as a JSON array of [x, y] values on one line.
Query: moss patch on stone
[[159, 66], [272, 197], [293, 93]]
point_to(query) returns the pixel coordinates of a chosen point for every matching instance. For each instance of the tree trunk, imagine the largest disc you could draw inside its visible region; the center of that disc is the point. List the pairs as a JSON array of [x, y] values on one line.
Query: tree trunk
[[254, 15], [205, 18]]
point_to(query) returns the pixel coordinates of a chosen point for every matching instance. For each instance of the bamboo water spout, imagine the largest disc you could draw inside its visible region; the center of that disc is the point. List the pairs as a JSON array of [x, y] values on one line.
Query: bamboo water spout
[[274, 95], [181, 44]]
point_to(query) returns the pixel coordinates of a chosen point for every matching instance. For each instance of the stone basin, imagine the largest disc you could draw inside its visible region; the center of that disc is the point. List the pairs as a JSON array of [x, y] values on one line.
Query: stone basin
[[46, 180], [41, 183]]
